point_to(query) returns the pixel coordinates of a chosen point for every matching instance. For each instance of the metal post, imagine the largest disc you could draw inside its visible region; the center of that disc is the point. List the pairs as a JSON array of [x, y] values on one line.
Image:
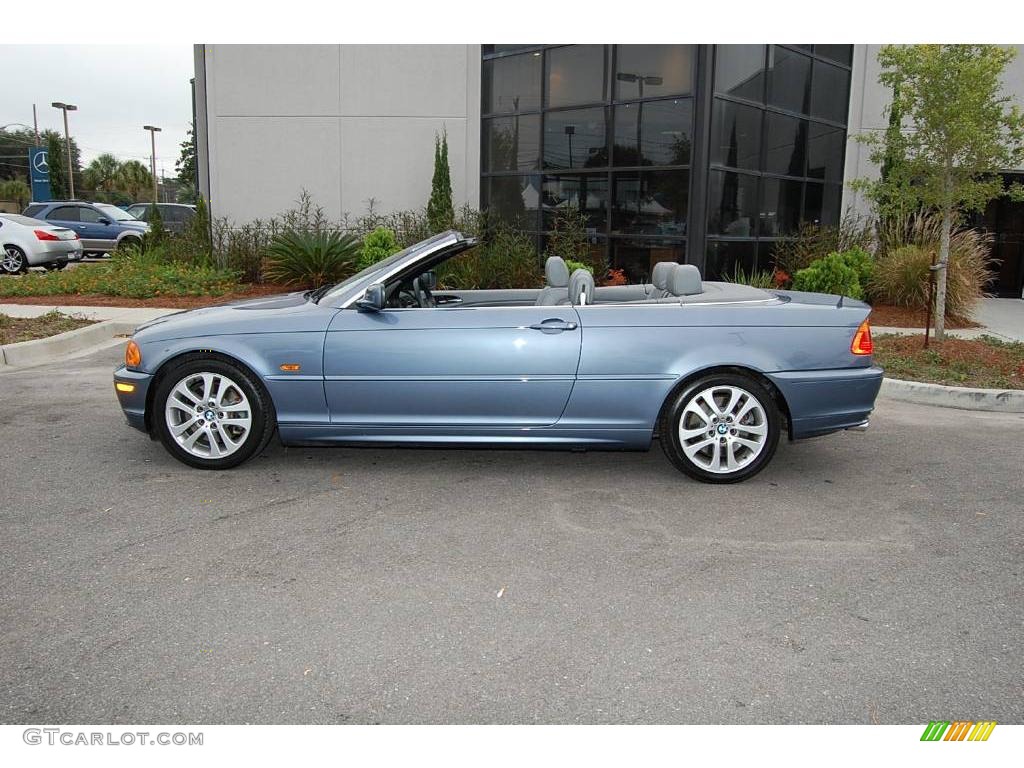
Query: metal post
[[65, 108], [152, 159], [35, 124]]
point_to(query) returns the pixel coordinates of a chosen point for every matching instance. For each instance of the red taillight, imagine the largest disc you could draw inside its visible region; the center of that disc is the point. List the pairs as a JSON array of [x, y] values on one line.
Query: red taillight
[[42, 234], [861, 344]]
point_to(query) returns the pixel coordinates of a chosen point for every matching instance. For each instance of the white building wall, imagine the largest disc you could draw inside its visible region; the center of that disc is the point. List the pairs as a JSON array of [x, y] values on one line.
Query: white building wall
[[868, 103], [348, 123]]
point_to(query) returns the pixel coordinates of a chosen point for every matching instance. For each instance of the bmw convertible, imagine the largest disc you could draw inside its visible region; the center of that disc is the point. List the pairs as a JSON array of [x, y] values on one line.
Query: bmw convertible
[[715, 371]]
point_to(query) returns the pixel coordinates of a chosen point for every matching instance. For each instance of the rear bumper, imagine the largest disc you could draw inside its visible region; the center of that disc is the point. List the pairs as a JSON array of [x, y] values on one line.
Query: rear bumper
[[821, 402], [133, 403], [51, 251]]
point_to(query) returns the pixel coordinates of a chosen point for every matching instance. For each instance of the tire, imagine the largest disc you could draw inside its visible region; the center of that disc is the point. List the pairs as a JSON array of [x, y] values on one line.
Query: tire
[[56, 267], [701, 434], [240, 400], [127, 242], [13, 261]]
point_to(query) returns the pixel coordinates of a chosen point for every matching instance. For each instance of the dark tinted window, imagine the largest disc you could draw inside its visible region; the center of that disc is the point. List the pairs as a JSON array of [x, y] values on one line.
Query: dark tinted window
[[637, 256], [785, 138], [826, 147], [736, 135], [576, 138], [33, 210], [663, 128], [732, 204], [724, 258], [780, 207], [576, 75], [64, 213], [511, 143], [822, 203], [140, 212], [841, 53], [511, 83], [91, 215], [830, 96], [587, 192], [789, 80], [642, 71], [512, 200], [739, 71], [651, 203]]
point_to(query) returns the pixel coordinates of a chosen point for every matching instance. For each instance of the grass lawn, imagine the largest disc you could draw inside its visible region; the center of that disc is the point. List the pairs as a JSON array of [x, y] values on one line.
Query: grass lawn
[[15, 329], [986, 362]]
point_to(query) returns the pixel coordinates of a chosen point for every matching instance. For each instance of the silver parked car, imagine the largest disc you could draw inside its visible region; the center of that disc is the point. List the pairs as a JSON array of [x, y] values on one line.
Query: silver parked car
[[390, 356], [30, 242]]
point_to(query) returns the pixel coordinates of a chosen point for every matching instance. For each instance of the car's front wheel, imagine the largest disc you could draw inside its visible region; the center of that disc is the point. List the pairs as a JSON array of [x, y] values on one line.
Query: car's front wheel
[[212, 414], [13, 261], [722, 428]]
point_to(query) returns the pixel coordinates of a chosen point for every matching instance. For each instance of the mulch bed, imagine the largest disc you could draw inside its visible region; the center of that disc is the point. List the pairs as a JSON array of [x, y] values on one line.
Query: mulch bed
[[171, 302], [986, 362], [904, 317], [15, 329]]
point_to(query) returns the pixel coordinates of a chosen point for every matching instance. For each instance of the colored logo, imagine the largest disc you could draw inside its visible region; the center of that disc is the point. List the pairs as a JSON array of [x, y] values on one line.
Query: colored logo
[[958, 730]]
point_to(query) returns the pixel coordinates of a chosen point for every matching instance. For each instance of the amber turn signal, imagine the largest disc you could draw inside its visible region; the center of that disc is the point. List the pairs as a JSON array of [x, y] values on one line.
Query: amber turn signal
[[290, 367], [132, 355], [861, 344], [123, 386]]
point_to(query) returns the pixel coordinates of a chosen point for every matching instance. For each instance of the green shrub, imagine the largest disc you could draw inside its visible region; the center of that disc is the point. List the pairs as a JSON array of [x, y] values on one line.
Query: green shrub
[[131, 274], [573, 265], [157, 234], [568, 239], [814, 241], [832, 274], [763, 279], [377, 246], [902, 278], [310, 259], [506, 259]]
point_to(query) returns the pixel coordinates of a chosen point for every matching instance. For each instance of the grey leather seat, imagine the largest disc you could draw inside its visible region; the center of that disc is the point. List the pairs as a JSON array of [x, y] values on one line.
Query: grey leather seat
[[684, 280], [659, 279], [581, 288], [556, 283]]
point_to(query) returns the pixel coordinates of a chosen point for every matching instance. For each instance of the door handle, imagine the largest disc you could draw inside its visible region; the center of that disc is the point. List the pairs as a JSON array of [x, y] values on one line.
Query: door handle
[[555, 325]]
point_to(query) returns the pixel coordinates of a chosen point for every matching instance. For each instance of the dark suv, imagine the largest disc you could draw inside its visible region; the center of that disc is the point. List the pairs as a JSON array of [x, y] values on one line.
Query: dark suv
[[101, 227], [175, 216]]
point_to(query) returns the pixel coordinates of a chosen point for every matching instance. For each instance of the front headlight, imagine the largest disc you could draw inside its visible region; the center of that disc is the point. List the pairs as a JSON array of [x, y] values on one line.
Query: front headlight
[[132, 355]]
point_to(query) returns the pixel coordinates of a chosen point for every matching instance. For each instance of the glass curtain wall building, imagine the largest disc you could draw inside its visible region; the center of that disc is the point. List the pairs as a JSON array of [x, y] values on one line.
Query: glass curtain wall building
[[702, 154]]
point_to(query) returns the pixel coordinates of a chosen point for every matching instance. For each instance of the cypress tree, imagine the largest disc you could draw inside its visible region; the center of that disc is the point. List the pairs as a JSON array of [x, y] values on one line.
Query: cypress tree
[[440, 209]]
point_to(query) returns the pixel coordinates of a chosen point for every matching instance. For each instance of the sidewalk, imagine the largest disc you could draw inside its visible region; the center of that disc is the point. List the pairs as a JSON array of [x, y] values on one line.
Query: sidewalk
[[137, 315], [1002, 318]]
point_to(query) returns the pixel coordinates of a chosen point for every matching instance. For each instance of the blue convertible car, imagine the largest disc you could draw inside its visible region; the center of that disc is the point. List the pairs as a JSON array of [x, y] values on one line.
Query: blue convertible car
[[716, 371]]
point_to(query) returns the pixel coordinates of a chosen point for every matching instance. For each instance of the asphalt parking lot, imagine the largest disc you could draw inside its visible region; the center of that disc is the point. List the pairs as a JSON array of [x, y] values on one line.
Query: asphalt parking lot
[[871, 578]]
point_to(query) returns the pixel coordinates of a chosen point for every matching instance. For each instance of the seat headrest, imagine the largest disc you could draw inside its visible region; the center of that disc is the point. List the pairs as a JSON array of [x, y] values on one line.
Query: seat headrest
[[685, 280], [428, 281], [556, 273], [660, 273], [581, 288]]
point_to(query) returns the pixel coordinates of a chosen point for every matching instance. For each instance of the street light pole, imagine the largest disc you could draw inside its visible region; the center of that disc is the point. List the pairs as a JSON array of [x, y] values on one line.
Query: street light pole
[[152, 159], [65, 108]]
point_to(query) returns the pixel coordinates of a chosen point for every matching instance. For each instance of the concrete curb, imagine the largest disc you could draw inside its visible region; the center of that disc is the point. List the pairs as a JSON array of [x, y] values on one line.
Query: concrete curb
[[63, 345], [965, 398]]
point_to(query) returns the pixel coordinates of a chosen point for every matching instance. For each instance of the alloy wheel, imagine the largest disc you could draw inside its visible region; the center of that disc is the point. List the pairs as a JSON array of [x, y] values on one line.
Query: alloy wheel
[[208, 415], [723, 429], [13, 260]]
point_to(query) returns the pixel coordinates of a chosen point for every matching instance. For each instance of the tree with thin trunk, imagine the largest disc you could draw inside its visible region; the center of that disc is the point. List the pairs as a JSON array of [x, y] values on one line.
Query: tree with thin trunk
[[959, 131], [440, 209]]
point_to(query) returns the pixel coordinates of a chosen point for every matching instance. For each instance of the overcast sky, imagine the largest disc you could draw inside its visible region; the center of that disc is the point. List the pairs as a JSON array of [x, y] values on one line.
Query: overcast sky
[[117, 88]]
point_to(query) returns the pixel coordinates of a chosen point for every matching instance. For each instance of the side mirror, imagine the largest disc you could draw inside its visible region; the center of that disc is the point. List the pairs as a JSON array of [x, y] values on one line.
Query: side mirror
[[373, 299], [104, 222]]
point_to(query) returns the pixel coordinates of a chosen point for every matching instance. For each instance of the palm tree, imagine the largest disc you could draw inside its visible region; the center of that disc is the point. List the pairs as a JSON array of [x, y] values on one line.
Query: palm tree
[[135, 179], [101, 173]]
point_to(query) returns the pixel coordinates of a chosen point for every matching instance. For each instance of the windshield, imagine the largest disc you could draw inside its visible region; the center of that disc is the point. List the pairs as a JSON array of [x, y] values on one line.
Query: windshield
[[383, 264], [115, 213]]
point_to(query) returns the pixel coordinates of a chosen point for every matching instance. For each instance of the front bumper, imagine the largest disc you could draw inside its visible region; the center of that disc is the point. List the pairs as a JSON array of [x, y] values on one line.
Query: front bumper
[[821, 402], [133, 403]]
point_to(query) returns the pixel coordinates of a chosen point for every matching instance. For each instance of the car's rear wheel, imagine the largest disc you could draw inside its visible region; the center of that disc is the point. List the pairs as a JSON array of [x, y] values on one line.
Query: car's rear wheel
[[212, 414], [13, 261], [128, 242], [56, 266], [721, 428]]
